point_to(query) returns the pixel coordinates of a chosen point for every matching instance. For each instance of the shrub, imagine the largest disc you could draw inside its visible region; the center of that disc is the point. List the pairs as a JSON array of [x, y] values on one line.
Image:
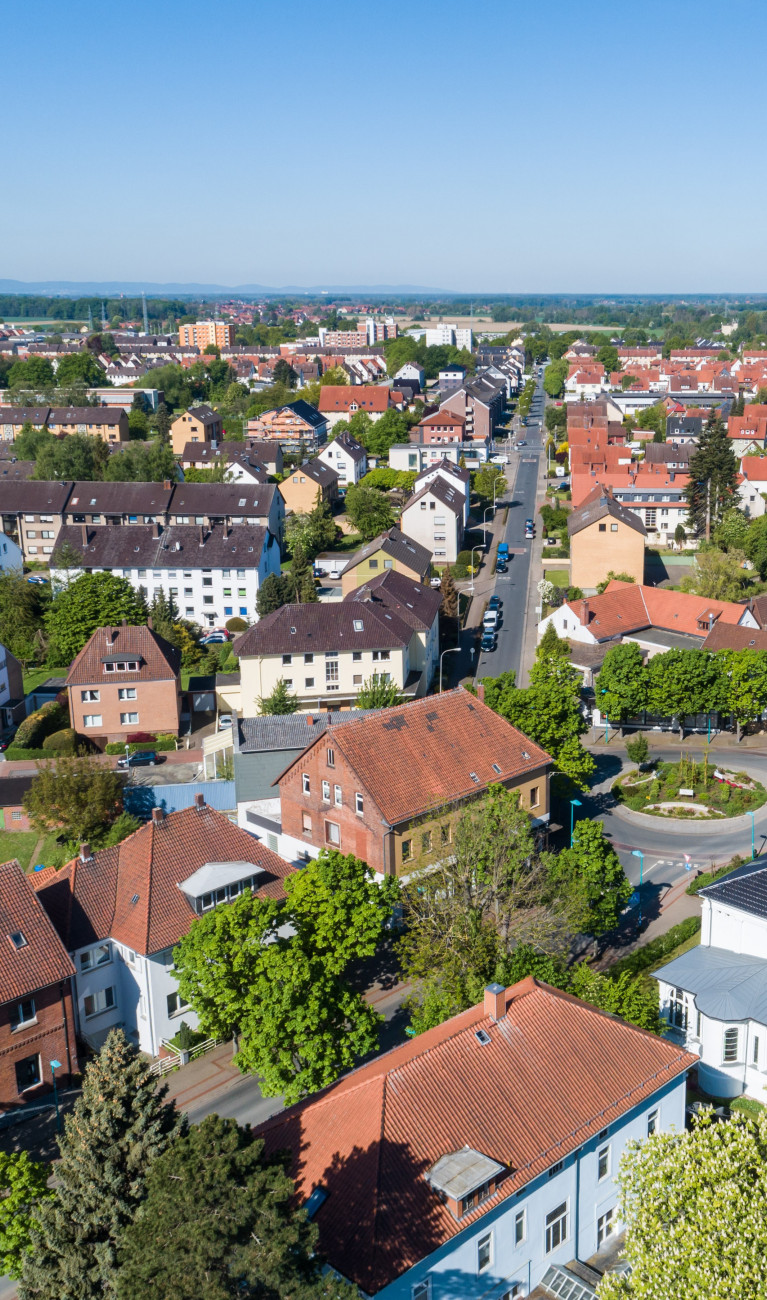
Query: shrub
[[160, 745], [61, 742], [710, 877], [464, 559], [32, 731], [638, 749], [140, 737], [236, 625], [653, 953]]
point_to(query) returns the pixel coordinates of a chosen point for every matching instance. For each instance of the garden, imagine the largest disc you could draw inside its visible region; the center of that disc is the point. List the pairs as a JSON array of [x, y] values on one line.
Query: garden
[[692, 788]]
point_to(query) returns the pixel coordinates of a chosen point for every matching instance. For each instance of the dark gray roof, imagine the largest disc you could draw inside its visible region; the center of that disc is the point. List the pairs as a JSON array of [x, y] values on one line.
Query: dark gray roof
[[223, 499], [86, 415], [744, 888], [349, 443], [204, 454], [301, 629], [204, 414], [399, 547], [178, 546], [20, 414], [667, 452], [316, 469], [16, 469], [119, 498], [33, 496], [455, 470], [450, 496], [726, 985], [414, 603], [598, 505], [307, 412], [290, 730], [13, 788]]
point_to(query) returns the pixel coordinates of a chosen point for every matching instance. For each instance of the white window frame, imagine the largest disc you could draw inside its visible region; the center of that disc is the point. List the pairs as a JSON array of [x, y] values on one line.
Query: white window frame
[[326, 792], [86, 958], [653, 1121], [97, 998], [562, 1219], [359, 803], [306, 785], [520, 1227], [421, 1290], [730, 1056], [605, 1226], [485, 1242], [604, 1157], [93, 719]]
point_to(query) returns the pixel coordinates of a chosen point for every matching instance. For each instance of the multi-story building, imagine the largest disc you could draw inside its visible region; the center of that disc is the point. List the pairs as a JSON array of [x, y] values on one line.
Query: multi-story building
[[13, 419], [391, 550], [342, 401], [198, 424], [206, 333], [120, 912], [109, 424], [449, 336], [295, 425], [36, 1017], [212, 504], [31, 515], [391, 785], [309, 484], [480, 1159], [125, 679], [324, 653], [347, 457], [240, 464], [453, 475], [434, 517], [117, 504], [599, 520], [211, 574]]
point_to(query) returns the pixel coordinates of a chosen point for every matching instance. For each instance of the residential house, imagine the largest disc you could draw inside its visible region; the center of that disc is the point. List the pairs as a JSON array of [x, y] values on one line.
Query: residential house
[[714, 997], [198, 424], [412, 372], [117, 504], [36, 1017], [292, 426], [451, 474], [748, 432], [212, 504], [308, 485], [13, 815], [326, 652], [31, 515], [239, 466], [417, 456], [109, 424], [683, 428], [210, 573], [206, 333], [585, 383], [674, 455], [434, 517], [652, 491], [125, 679], [752, 485], [347, 457], [120, 913], [443, 426], [480, 1159], [13, 419], [389, 787], [482, 402], [595, 523], [450, 378], [12, 706], [342, 401], [390, 550]]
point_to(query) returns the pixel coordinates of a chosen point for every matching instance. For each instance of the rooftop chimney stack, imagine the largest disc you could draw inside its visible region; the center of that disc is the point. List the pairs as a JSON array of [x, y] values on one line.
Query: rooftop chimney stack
[[495, 1001], [157, 815], [85, 534], [110, 637], [199, 800], [85, 851]]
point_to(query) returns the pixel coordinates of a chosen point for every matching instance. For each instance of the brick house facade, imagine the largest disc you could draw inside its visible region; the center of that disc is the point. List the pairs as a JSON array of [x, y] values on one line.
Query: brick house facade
[[124, 680]]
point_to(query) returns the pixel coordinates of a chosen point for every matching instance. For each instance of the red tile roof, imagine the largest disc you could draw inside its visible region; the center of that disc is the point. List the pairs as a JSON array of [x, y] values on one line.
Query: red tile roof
[[94, 900], [627, 607], [340, 397], [41, 959], [555, 1072], [426, 753], [157, 659]]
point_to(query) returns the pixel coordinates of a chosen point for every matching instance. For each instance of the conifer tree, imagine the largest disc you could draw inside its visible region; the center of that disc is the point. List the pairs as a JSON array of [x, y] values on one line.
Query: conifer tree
[[712, 486], [280, 701], [119, 1126]]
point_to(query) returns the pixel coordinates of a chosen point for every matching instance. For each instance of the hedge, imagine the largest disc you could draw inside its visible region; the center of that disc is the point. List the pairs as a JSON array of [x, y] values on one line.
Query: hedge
[[61, 742], [653, 953], [709, 877], [33, 729], [19, 751], [159, 745]]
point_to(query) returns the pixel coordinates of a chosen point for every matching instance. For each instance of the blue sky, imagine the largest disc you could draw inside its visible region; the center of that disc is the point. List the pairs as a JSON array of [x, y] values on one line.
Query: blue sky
[[549, 146]]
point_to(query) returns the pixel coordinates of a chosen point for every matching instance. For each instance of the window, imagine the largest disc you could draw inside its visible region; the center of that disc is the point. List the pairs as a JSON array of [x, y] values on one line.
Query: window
[[308, 681], [731, 1044], [356, 679], [95, 1003], [337, 796], [175, 1004], [305, 783], [331, 671], [519, 1227], [484, 1251], [207, 600], [95, 957], [287, 659], [331, 755], [652, 1122], [381, 654], [306, 824], [92, 720], [309, 659], [534, 799], [445, 833], [554, 1169], [16, 815], [603, 1163], [605, 1227], [356, 656], [28, 1073], [332, 833], [755, 1051], [421, 1290], [23, 1013], [326, 791], [613, 528], [359, 803], [90, 697], [677, 1009], [126, 693], [425, 841], [127, 718], [556, 1227], [373, 564], [407, 850], [207, 582]]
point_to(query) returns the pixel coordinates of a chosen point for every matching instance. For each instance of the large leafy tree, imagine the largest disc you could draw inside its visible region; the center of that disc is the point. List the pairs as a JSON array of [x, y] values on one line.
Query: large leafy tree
[[744, 679], [119, 1126], [718, 575], [621, 687], [23, 1186], [695, 1207], [554, 377], [369, 511], [684, 681], [22, 610], [142, 462], [712, 486], [92, 601], [591, 875], [77, 796], [78, 457], [276, 974], [79, 368], [219, 1221], [489, 479]]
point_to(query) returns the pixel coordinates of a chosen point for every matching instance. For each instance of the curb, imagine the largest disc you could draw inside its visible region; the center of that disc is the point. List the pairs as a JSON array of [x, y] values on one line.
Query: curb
[[677, 825]]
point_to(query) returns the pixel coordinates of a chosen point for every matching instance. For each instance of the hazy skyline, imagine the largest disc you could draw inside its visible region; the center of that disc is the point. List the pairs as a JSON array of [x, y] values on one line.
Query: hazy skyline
[[491, 148]]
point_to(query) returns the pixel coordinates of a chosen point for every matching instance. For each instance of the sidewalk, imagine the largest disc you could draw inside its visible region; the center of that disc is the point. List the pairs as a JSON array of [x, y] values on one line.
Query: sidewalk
[[16, 766], [676, 905], [661, 740]]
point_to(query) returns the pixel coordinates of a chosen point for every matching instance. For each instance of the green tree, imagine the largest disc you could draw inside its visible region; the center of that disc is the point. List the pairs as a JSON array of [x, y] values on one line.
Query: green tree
[[681, 682], [712, 486], [621, 687], [79, 368], [299, 1021], [92, 601], [392, 428], [138, 424], [637, 748], [733, 530], [22, 613], [743, 675], [555, 419], [654, 417], [370, 513], [35, 374], [273, 593], [219, 1220], [30, 440], [623, 995], [78, 458], [78, 796], [334, 375], [378, 692], [554, 377], [280, 700], [718, 575], [608, 357], [142, 462], [162, 422], [695, 1208], [489, 479], [591, 874], [284, 373], [23, 1186], [299, 581], [164, 613], [119, 1126], [612, 576]]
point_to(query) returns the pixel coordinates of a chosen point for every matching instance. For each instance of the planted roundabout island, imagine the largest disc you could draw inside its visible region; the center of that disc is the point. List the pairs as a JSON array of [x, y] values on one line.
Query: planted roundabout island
[[692, 789]]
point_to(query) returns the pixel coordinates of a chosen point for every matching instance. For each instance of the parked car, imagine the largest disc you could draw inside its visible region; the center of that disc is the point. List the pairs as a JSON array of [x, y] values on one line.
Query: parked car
[[488, 642], [494, 602], [501, 567], [499, 460], [214, 638], [435, 582], [38, 579], [529, 534], [142, 758], [529, 523], [490, 619], [224, 721]]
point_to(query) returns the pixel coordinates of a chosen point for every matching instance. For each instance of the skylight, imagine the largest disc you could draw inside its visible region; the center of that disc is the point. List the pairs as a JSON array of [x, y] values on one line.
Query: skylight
[[18, 939], [358, 625]]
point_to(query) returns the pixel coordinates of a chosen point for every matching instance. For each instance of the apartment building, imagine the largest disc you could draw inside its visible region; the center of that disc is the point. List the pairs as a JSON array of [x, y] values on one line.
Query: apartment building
[[125, 679], [31, 515], [206, 333], [214, 504], [347, 457], [599, 520], [291, 426], [342, 401], [198, 424], [307, 485], [390, 551], [109, 424], [434, 518]]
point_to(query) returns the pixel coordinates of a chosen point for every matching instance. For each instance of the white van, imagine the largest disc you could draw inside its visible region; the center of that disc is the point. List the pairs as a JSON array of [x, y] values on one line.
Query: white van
[[490, 619]]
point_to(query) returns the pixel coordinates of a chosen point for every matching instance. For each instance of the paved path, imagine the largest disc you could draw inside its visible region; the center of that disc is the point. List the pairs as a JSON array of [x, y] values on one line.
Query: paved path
[[171, 759]]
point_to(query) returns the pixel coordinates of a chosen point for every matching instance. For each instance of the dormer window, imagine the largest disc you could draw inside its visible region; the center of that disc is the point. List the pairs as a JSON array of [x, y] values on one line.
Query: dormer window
[[464, 1179], [219, 882], [121, 666]]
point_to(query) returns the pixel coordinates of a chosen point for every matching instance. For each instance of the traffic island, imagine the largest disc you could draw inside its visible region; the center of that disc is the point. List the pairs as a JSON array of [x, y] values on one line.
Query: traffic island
[[689, 790]]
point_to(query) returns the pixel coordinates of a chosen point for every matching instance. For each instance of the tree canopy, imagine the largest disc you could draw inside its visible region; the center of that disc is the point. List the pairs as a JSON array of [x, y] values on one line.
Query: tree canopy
[[91, 601], [712, 486], [78, 796]]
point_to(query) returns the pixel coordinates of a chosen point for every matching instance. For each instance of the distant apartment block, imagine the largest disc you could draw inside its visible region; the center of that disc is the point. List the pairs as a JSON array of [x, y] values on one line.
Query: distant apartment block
[[206, 332]]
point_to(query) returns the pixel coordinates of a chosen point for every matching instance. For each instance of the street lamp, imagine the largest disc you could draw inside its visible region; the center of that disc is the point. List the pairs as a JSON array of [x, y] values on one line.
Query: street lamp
[[637, 853], [753, 842], [473, 549], [451, 651], [488, 510], [574, 803], [56, 1065]]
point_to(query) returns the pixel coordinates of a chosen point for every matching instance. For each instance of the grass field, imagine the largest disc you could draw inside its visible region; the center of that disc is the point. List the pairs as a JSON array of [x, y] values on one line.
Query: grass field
[[34, 677], [24, 846], [560, 577]]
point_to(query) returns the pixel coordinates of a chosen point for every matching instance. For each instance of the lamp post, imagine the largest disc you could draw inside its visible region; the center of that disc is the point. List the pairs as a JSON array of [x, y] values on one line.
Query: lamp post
[[473, 549], [56, 1065], [451, 651], [574, 803], [637, 853], [753, 839], [488, 510]]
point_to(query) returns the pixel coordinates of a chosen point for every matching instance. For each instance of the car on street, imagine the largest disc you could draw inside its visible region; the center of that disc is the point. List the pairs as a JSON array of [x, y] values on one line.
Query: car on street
[[489, 641], [501, 567], [142, 758], [494, 602], [499, 460], [38, 579], [529, 534], [522, 442]]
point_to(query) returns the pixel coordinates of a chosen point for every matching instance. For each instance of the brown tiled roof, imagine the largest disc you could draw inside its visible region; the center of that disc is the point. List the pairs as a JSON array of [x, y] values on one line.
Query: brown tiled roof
[[318, 627], [598, 505], [41, 960], [86, 415], [158, 660], [94, 900], [222, 499], [416, 604], [33, 496], [723, 636], [555, 1072], [427, 753], [16, 469]]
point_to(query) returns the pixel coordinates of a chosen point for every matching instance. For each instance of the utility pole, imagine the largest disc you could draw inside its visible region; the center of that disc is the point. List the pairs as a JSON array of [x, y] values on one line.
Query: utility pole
[[146, 317], [104, 316], [708, 510]]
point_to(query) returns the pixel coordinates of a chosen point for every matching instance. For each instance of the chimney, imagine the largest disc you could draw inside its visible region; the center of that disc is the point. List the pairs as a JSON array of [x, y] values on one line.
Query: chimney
[[157, 816], [199, 800], [309, 720], [110, 637], [202, 535], [85, 851], [481, 692], [585, 612], [85, 534], [495, 1001], [155, 529], [167, 484], [149, 622]]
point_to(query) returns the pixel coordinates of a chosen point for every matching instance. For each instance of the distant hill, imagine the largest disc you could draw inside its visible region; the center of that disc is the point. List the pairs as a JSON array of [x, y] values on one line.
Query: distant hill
[[95, 288]]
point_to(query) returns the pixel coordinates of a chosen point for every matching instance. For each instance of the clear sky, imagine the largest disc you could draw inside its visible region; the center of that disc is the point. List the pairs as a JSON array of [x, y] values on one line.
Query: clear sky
[[550, 146]]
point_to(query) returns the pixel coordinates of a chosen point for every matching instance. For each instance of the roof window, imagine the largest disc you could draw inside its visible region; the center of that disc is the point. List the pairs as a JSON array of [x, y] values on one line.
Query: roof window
[[496, 768], [134, 900], [474, 777], [359, 626], [482, 1037], [18, 939]]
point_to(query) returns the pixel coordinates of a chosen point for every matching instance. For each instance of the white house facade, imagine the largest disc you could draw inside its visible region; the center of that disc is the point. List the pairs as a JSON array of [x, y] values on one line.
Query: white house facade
[[434, 518], [347, 457]]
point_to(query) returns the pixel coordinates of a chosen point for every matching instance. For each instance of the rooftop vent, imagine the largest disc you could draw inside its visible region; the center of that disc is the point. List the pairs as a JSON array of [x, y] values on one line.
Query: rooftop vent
[[474, 777], [292, 631]]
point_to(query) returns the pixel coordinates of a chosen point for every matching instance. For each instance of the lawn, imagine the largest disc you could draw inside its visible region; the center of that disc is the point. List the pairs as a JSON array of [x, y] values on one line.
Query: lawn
[[644, 791], [21, 845], [34, 677], [560, 577], [744, 1105]]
